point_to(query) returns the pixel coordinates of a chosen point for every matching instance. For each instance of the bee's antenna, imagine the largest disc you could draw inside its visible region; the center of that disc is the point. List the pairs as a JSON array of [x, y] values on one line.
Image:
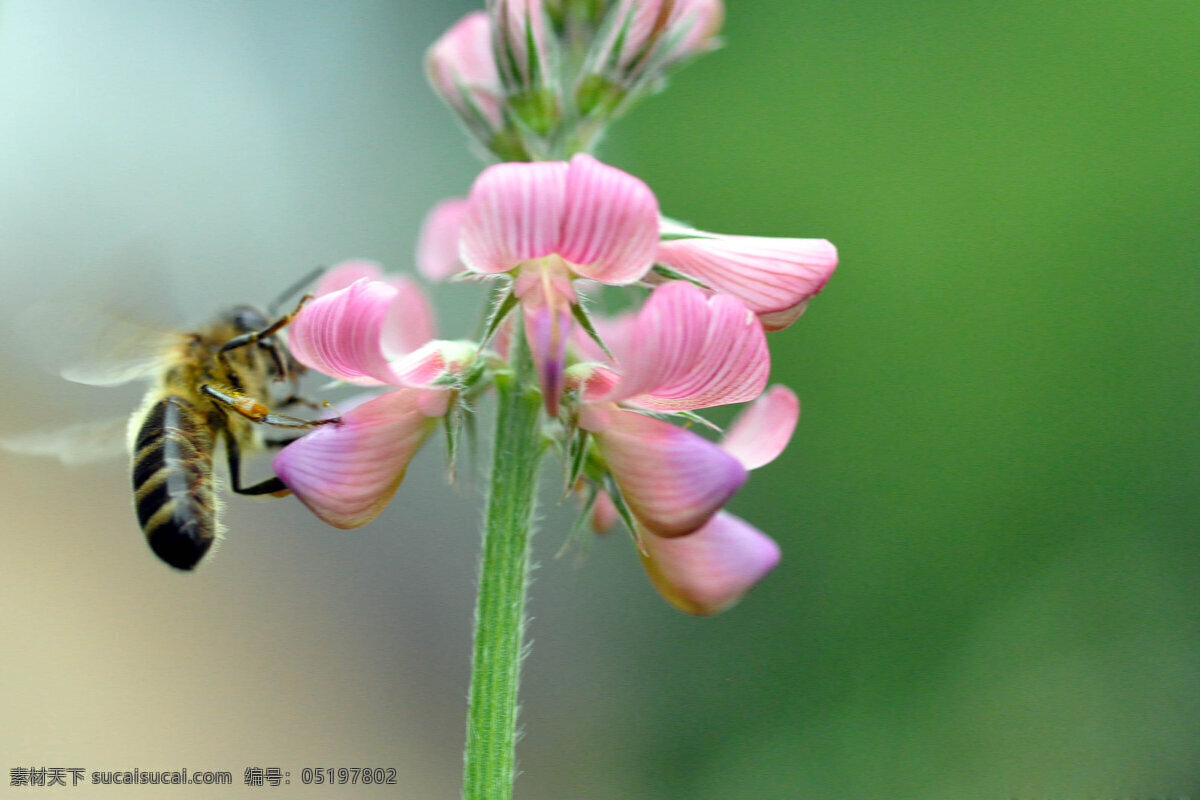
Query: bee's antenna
[[309, 277]]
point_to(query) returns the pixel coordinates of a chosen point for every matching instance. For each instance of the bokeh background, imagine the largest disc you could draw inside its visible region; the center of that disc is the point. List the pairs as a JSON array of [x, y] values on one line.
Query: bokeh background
[[991, 580]]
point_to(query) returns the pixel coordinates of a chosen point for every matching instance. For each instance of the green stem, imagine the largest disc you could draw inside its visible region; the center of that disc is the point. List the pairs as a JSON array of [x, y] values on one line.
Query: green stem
[[489, 760]]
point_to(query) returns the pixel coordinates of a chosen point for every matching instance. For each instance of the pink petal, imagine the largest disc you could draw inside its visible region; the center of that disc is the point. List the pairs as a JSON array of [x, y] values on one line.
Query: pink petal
[[437, 244], [593, 381], [708, 571], [733, 367], [339, 334], [421, 368], [604, 513], [610, 226], [764, 428], [353, 333], [672, 479], [347, 473], [341, 275], [409, 322], [690, 351], [778, 320], [462, 70], [514, 213], [664, 342], [699, 21], [773, 277]]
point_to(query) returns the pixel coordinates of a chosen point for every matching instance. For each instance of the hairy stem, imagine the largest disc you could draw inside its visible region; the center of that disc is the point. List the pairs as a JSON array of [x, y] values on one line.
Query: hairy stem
[[489, 760]]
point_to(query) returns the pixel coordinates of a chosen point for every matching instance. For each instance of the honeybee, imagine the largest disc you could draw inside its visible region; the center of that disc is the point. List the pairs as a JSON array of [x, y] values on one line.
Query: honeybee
[[209, 388]]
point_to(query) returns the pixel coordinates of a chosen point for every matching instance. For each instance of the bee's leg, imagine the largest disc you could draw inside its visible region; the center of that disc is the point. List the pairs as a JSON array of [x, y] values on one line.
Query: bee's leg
[[312, 275], [278, 361], [299, 400], [233, 454], [255, 411], [256, 336]]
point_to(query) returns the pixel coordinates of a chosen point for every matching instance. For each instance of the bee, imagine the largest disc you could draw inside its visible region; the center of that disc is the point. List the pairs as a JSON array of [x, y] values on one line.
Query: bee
[[210, 388], [208, 393]]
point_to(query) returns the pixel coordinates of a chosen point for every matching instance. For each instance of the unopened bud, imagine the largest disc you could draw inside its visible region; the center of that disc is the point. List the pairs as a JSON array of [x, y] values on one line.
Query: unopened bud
[[642, 40], [462, 70]]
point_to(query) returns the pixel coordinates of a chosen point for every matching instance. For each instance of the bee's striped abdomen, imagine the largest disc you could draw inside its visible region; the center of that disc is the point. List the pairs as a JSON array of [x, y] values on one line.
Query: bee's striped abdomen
[[172, 482]]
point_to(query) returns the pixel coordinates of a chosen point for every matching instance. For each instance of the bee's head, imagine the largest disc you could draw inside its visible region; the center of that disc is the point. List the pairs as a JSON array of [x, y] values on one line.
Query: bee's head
[[246, 319], [280, 364]]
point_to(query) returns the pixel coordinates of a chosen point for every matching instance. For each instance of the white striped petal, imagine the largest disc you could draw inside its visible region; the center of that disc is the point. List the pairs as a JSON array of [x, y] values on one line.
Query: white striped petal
[[663, 343], [514, 213], [353, 334], [774, 277], [610, 224], [733, 366]]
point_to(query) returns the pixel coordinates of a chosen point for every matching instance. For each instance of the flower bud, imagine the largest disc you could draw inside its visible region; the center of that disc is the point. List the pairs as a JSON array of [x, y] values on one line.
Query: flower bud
[[462, 69], [642, 40], [526, 58]]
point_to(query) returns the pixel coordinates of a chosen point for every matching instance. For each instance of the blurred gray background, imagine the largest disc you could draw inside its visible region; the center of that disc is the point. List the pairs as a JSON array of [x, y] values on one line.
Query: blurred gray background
[[991, 575]]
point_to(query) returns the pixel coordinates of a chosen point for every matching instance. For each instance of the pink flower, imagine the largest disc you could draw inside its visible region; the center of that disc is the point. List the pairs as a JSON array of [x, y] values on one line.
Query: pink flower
[[365, 330], [774, 277], [709, 569], [549, 223], [360, 324], [686, 350], [682, 351], [461, 67]]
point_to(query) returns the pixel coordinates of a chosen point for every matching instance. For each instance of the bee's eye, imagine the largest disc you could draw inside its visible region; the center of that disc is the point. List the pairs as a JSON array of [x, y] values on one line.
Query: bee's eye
[[247, 319]]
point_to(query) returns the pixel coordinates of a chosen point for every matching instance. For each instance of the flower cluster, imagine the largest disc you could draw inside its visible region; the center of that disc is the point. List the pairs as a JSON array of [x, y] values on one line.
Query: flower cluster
[[534, 79], [554, 237]]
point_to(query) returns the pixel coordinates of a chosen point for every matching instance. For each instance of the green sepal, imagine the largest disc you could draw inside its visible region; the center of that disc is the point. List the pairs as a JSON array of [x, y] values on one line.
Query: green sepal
[[451, 424], [675, 275], [579, 531], [507, 145], [675, 235], [597, 95], [474, 375], [585, 322], [576, 457], [623, 511], [692, 416], [535, 62], [500, 310], [506, 58], [537, 108]]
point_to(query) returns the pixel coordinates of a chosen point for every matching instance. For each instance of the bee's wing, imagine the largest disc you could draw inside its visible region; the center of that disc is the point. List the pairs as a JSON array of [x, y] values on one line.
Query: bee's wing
[[123, 350], [73, 445], [96, 345], [111, 325]]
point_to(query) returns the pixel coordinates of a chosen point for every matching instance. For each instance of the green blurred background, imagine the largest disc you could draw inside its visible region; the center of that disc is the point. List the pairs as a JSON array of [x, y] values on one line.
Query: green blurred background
[[991, 574]]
